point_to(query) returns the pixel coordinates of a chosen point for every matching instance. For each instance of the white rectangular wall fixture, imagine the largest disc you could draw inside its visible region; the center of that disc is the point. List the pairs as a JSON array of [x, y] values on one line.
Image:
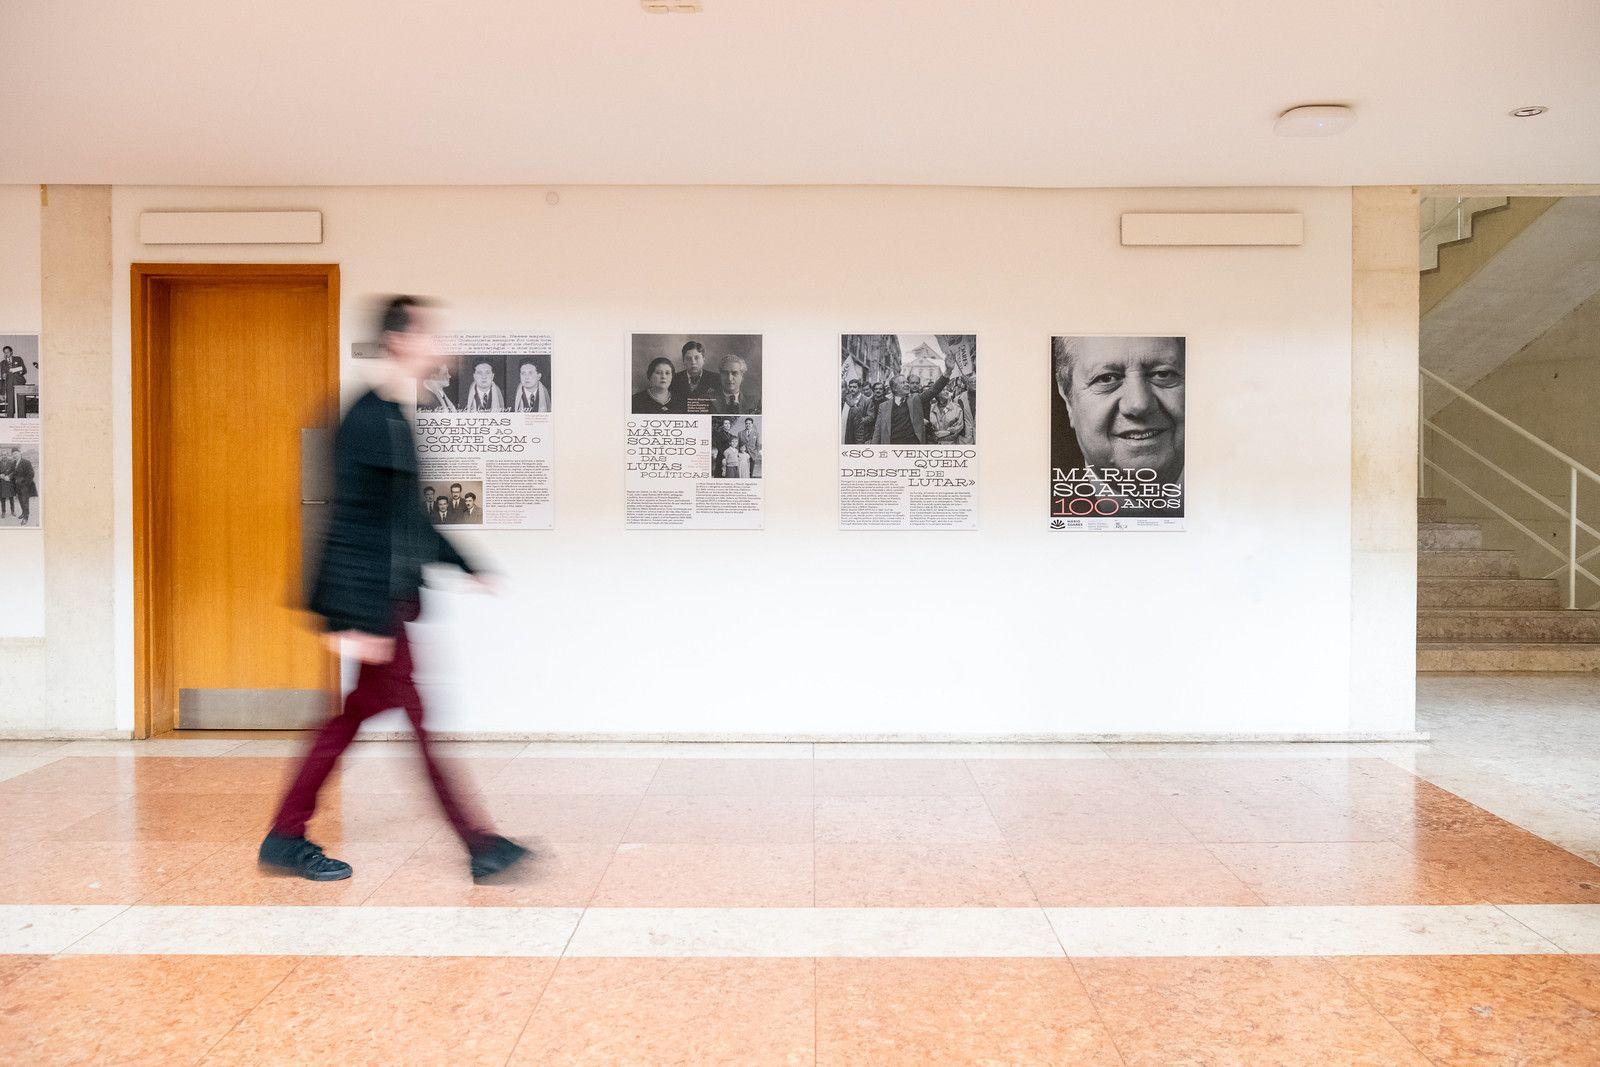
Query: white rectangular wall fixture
[[1213, 228], [230, 227]]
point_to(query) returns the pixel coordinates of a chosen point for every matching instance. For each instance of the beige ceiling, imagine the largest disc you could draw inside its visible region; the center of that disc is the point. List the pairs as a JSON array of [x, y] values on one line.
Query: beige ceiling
[[945, 92]]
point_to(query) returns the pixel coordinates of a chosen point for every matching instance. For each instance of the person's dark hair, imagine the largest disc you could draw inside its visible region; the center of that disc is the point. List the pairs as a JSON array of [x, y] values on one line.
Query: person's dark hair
[[651, 369], [455, 485], [692, 346], [8, 348], [399, 313], [427, 489], [749, 420], [470, 496]]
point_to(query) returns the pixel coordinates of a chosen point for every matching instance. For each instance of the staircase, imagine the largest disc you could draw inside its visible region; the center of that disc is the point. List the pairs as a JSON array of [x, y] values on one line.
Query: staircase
[[1475, 613]]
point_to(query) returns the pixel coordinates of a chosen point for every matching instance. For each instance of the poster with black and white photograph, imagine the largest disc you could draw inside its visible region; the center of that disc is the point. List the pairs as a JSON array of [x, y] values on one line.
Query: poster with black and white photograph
[[485, 433], [1116, 433], [694, 432], [20, 472], [19, 375], [908, 431]]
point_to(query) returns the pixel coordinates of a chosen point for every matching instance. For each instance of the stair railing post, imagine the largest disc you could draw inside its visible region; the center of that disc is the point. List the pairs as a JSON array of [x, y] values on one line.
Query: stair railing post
[[1422, 433], [1572, 538]]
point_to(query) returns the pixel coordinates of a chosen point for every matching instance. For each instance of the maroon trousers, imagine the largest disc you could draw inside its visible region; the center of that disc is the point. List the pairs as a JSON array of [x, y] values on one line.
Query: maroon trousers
[[379, 687]]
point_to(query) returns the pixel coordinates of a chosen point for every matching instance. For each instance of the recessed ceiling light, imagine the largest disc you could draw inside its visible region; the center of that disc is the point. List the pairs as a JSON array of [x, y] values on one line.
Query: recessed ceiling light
[[1528, 112], [1314, 120], [670, 7]]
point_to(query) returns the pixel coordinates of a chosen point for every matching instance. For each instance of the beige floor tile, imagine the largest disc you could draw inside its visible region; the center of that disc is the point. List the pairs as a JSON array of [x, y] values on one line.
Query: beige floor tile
[[1245, 1011], [231, 876], [894, 777], [707, 876], [129, 1009], [725, 820], [678, 1011], [364, 1010], [878, 875], [1131, 874], [919, 1011], [905, 820], [1487, 1009], [557, 876], [556, 776], [733, 777], [100, 872]]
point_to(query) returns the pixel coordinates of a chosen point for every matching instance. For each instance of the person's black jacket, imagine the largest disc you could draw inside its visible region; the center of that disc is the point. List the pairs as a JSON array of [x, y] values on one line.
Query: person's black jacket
[[378, 538]]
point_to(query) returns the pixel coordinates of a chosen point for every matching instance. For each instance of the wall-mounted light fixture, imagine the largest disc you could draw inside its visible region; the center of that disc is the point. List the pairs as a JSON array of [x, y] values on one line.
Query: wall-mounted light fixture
[[1315, 120]]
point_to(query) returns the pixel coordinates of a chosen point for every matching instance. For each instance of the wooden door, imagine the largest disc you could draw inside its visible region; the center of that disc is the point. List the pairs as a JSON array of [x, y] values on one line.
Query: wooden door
[[238, 363]]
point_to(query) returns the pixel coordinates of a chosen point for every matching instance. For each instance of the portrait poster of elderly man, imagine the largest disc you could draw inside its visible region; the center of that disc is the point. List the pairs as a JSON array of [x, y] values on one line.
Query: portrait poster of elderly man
[[1116, 433]]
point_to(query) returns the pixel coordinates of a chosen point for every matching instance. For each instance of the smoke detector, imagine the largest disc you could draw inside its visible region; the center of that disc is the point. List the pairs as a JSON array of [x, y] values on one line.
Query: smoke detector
[[670, 7]]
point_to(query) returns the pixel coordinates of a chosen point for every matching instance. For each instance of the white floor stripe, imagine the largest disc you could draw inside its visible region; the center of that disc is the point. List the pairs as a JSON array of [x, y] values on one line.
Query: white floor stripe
[[825, 932], [1574, 927], [48, 928], [814, 932], [318, 931], [1295, 931]]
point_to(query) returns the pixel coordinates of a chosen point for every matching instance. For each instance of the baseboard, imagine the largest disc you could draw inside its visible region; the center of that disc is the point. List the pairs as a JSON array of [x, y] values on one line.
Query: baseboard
[[899, 738], [47, 734]]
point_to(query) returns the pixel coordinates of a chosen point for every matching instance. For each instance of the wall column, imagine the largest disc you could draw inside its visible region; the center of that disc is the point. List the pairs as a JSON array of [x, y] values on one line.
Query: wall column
[[1383, 461], [77, 489]]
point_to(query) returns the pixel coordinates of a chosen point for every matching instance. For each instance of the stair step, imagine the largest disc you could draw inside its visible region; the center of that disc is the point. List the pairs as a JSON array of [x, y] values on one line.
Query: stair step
[[1430, 509], [1519, 625], [1488, 593], [1440, 535], [1467, 563], [1441, 657]]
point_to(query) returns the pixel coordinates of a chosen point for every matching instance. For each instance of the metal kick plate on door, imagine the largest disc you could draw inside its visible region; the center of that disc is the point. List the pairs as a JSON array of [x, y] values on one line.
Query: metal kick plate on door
[[252, 709]]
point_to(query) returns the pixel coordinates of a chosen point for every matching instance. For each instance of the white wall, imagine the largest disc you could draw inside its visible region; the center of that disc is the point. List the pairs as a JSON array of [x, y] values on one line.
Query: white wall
[[1240, 624], [21, 551]]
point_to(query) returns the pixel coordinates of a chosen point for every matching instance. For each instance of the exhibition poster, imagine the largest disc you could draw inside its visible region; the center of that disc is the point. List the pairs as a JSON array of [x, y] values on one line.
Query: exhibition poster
[[1116, 433], [908, 431], [484, 433], [694, 437], [20, 472]]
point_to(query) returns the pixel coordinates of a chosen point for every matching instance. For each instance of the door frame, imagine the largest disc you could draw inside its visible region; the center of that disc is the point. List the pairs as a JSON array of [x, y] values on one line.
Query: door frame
[[151, 285]]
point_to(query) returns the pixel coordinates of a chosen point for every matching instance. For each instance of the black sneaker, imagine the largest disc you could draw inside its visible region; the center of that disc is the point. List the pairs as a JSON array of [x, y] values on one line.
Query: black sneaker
[[297, 856], [494, 854]]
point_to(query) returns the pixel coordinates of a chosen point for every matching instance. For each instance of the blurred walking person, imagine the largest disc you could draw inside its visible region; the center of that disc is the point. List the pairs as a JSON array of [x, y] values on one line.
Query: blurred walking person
[[367, 588]]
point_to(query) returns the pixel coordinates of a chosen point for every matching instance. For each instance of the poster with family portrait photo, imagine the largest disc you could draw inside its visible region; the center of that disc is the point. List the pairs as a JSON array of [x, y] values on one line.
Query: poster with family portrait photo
[[908, 431], [1116, 433], [485, 420], [693, 433]]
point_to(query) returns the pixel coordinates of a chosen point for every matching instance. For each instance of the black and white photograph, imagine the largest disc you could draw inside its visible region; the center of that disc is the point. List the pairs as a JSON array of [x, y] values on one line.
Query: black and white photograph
[[736, 446], [529, 380], [19, 484], [437, 391], [703, 374], [1116, 433], [19, 376], [483, 385], [908, 389], [454, 503]]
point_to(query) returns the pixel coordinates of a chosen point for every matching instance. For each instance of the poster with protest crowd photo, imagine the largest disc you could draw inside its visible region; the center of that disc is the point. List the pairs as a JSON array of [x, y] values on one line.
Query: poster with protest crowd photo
[[1116, 433], [484, 433], [908, 431], [694, 439]]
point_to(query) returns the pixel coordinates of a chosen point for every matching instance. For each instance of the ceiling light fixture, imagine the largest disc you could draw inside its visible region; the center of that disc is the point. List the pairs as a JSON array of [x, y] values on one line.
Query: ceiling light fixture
[[1314, 120], [1529, 111], [670, 7]]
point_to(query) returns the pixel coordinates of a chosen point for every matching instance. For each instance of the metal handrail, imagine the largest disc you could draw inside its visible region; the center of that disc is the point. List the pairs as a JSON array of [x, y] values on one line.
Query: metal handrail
[[1514, 480], [1508, 424], [1492, 506], [1574, 564]]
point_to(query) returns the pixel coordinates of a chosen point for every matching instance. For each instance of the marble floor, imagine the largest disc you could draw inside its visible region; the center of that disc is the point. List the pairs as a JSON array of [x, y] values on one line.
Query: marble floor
[[1429, 902]]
